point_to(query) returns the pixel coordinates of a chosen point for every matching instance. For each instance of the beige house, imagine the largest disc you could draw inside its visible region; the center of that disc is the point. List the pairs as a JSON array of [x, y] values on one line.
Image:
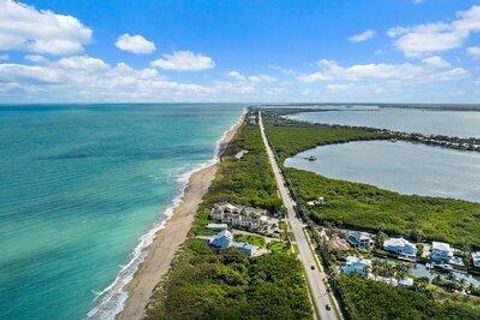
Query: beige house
[[249, 218]]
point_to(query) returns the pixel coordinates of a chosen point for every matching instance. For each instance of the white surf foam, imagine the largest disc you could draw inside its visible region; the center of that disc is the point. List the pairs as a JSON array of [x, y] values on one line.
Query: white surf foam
[[111, 301]]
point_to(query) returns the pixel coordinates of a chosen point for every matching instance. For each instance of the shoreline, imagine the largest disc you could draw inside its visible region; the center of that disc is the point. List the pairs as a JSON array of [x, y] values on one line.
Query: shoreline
[[128, 296]]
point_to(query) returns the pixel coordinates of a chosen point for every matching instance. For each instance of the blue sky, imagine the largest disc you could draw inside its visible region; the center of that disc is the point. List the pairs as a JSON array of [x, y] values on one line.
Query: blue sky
[[272, 51]]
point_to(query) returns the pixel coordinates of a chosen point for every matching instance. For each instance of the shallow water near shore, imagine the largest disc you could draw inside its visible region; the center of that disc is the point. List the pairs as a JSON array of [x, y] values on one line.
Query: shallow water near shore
[[403, 167], [80, 185]]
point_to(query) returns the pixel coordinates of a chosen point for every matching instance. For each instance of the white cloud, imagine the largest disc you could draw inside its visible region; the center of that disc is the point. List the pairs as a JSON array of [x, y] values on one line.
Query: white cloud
[[253, 78], [135, 44], [36, 58], [436, 37], [83, 77], [338, 88], [262, 78], [362, 37], [474, 52], [431, 70], [11, 72], [436, 61], [84, 63], [236, 75], [24, 28], [184, 61]]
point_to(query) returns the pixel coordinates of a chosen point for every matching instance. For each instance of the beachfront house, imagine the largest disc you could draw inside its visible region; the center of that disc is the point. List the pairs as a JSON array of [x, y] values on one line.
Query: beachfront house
[[249, 218], [357, 266], [240, 154], [217, 226], [360, 239], [246, 248], [457, 261], [476, 259], [441, 252], [223, 240], [401, 247]]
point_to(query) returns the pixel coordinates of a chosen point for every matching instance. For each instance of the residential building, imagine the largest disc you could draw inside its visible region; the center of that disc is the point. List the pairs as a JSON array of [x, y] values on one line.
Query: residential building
[[401, 247], [243, 217], [441, 252], [360, 239], [476, 259], [246, 248], [457, 261], [241, 154], [217, 226], [222, 240], [356, 265], [317, 202]]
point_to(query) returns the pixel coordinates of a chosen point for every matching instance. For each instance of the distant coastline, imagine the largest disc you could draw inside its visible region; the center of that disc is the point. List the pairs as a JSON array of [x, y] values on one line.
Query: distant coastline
[[314, 107]]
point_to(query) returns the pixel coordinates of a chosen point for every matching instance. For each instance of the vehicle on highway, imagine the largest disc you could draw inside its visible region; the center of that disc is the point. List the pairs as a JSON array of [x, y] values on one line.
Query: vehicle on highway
[[312, 267], [328, 307]]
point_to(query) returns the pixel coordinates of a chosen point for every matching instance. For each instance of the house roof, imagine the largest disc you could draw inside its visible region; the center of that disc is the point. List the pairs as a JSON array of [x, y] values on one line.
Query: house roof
[[476, 256], [397, 242], [441, 246], [244, 245], [357, 260], [217, 226], [359, 235]]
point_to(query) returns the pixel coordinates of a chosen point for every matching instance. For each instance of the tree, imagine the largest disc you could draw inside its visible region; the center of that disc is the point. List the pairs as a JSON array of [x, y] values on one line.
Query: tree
[[379, 239]]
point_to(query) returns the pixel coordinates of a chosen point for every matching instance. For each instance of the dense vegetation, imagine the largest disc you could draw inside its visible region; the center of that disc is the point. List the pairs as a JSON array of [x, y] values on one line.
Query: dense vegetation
[[291, 138], [367, 207], [371, 300], [205, 284], [249, 181], [229, 285]]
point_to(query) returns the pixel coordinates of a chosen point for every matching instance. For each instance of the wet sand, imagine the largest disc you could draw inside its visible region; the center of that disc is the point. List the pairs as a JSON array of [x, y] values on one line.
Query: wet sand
[[165, 245]]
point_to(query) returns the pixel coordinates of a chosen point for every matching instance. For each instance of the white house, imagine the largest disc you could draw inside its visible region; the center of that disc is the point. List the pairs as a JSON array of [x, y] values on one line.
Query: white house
[[240, 154], [356, 265], [401, 247], [217, 226], [360, 239], [441, 252], [246, 217], [476, 259]]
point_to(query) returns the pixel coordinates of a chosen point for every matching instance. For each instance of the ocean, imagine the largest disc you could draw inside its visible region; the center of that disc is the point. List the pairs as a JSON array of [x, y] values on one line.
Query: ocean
[[83, 188]]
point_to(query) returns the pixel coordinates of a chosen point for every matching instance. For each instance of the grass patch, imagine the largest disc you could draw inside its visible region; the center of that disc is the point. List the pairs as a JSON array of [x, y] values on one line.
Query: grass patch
[[254, 240]]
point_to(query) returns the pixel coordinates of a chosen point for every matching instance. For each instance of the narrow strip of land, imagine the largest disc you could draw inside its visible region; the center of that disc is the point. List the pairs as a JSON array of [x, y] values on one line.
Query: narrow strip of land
[[314, 276]]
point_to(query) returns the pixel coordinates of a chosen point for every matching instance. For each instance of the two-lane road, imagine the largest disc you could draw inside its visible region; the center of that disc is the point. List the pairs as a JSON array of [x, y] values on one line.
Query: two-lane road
[[315, 277]]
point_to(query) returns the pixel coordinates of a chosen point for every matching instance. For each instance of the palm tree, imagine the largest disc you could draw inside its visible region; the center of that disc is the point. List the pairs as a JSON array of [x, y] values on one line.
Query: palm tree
[[402, 270], [376, 267]]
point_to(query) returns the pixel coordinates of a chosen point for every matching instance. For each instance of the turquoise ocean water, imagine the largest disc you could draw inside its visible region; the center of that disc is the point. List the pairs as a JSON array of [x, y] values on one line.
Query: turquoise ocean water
[[80, 186]]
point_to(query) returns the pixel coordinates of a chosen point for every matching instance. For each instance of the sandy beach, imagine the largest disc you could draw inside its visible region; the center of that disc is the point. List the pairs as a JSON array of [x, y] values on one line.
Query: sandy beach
[[165, 245]]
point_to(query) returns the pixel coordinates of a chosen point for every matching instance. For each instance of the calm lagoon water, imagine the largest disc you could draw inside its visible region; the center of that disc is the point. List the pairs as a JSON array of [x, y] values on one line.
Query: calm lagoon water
[[399, 166], [79, 185], [451, 123]]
